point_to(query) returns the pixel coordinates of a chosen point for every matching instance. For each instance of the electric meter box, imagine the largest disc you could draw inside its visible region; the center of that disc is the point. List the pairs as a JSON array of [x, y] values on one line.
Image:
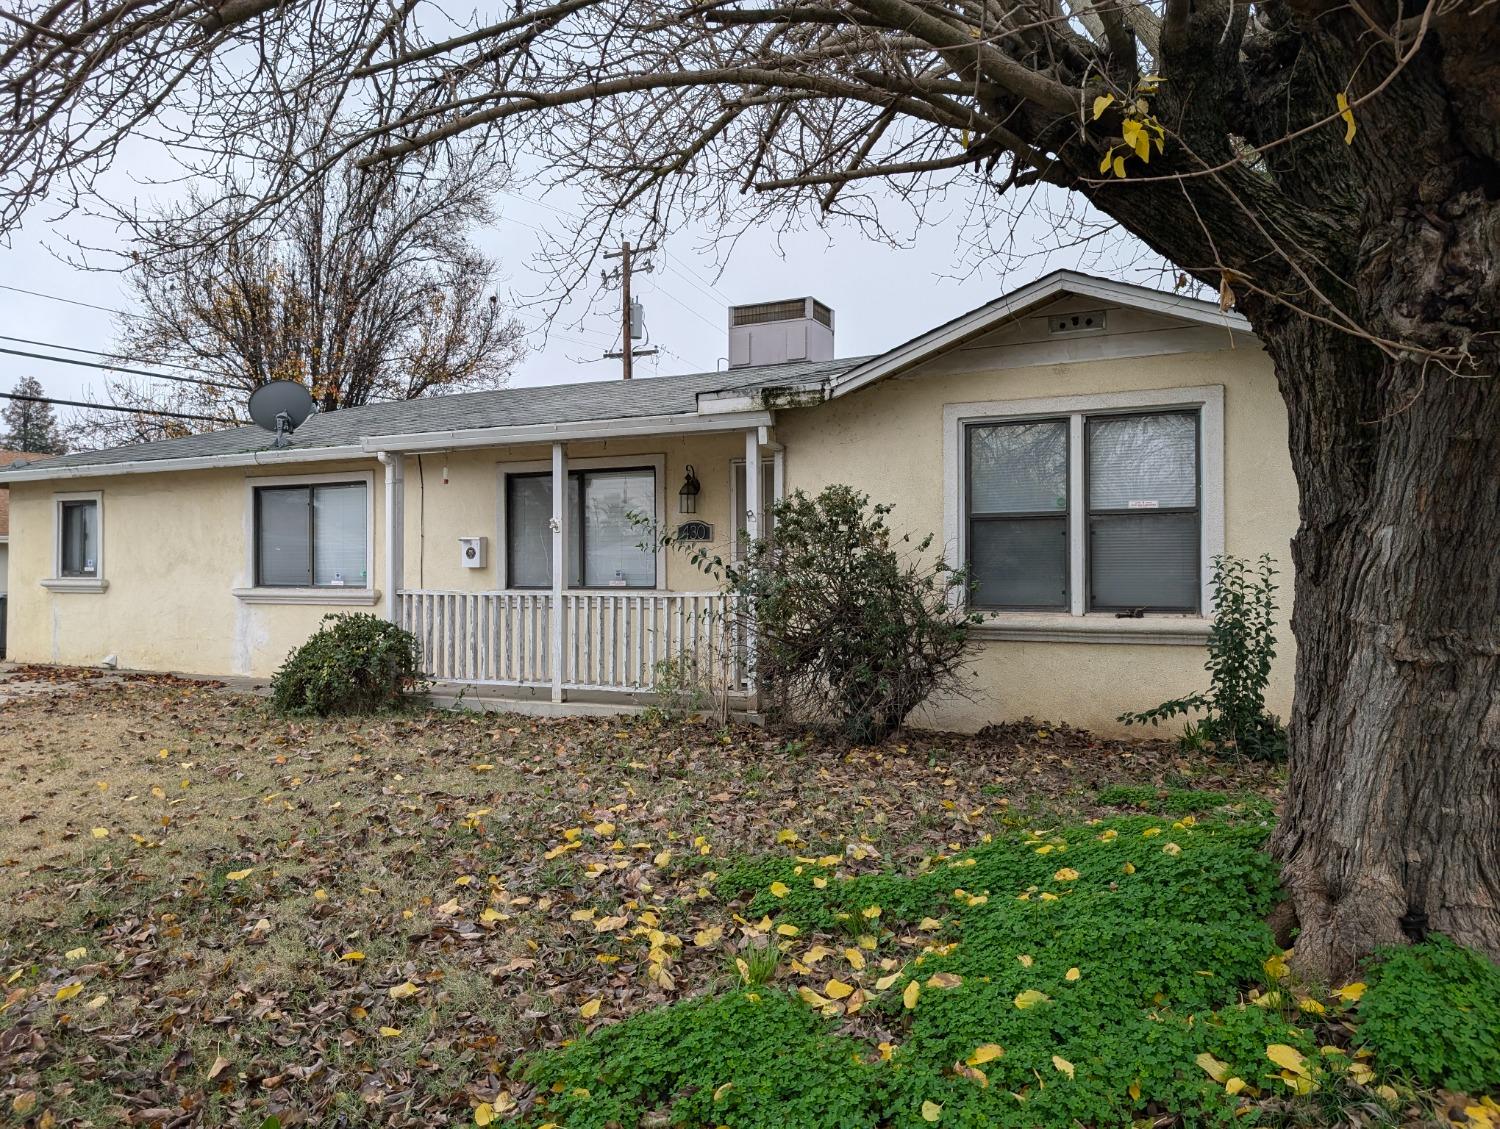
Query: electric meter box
[[471, 551]]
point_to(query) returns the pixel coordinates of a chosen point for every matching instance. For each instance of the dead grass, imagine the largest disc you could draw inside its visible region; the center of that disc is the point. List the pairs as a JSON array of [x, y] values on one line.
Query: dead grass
[[366, 922]]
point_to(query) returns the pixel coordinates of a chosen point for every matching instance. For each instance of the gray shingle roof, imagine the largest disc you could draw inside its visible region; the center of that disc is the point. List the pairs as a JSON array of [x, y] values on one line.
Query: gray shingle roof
[[506, 407]]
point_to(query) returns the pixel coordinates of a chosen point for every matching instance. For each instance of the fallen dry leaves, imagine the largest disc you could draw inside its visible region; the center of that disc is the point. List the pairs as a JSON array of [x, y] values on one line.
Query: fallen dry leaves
[[366, 922]]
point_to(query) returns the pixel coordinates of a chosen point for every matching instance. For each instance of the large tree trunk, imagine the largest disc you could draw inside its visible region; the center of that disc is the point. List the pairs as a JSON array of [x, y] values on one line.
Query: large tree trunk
[[1391, 824]]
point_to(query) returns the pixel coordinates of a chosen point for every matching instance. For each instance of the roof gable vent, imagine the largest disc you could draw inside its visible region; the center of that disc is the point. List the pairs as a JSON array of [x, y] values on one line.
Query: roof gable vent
[[1083, 321]]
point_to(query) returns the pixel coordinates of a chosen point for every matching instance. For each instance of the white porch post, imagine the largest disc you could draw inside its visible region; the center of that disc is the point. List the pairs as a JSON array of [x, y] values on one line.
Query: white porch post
[[395, 531], [559, 563], [752, 532]]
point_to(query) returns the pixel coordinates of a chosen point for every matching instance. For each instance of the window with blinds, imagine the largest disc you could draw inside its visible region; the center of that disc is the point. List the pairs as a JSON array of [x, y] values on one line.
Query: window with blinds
[[1141, 496], [1018, 514], [314, 536], [607, 548]]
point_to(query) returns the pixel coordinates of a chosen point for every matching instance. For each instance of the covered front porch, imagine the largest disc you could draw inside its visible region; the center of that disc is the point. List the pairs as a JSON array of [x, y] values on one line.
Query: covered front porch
[[474, 523]]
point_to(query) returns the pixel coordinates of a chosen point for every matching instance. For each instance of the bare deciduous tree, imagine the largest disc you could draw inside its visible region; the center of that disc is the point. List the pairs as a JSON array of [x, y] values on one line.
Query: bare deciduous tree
[[1330, 166], [365, 287]]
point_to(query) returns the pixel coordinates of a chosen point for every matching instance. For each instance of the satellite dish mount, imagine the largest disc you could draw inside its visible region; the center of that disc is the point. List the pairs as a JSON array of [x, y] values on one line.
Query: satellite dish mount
[[281, 407]]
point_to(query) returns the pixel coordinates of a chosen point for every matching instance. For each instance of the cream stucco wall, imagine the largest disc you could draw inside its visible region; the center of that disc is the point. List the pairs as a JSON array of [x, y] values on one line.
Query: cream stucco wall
[[887, 440], [176, 545], [174, 548]]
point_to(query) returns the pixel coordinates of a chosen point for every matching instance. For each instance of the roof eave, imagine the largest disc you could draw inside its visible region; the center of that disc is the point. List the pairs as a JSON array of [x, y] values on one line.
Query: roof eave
[[270, 457], [685, 423]]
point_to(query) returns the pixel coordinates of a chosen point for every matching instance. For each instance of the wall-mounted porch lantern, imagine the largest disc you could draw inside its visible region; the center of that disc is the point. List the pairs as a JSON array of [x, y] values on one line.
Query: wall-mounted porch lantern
[[687, 497]]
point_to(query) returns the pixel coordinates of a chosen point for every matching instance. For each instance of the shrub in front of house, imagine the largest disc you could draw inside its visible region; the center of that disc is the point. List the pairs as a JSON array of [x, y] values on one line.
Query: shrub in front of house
[[353, 664], [1241, 647], [855, 625]]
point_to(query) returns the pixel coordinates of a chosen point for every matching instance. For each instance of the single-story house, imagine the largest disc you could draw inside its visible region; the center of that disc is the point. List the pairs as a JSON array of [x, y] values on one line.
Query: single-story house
[[1085, 446]]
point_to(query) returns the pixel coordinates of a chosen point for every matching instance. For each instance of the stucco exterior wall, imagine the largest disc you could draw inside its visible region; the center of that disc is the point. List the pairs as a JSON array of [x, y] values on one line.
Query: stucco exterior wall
[[887, 440], [174, 547]]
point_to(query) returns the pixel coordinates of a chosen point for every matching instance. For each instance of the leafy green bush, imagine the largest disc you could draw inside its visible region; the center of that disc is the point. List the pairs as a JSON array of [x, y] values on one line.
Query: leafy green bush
[[353, 664], [1096, 965], [1185, 801], [854, 624], [1432, 1012], [1241, 647]]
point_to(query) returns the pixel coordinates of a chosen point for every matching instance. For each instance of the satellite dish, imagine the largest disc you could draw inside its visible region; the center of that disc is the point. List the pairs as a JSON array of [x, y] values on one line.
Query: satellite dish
[[281, 407]]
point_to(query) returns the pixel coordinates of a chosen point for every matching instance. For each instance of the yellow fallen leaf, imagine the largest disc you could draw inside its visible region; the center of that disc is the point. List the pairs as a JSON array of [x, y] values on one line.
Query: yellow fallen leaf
[[944, 980], [1212, 1066], [985, 1052], [787, 930], [77, 954], [68, 991], [706, 938], [931, 1111], [780, 889], [610, 924], [886, 981], [23, 1103], [1275, 966], [390, 1032], [240, 875], [1341, 100], [870, 913], [581, 915], [838, 990], [404, 991], [1025, 959], [1066, 874], [1134, 1089], [1288, 1058], [855, 958], [353, 954], [100, 833], [484, 1113], [1129, 868], [929, 924], [1234, 1085], [1063, 1065], [590, 1009], [1350, 993], [909, 996], [97, 1002], [1030, 998], [1171, 849], [743, 968], [1072, 974]]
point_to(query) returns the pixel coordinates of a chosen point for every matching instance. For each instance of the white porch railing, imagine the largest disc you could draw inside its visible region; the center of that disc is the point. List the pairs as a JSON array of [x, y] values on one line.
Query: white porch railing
[[610, 640]]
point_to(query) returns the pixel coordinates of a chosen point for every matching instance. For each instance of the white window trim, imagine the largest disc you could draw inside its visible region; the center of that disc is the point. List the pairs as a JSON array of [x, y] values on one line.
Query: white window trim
[[330, 596], [658, 465], [777, 460], [1077, 624], [57, 582]]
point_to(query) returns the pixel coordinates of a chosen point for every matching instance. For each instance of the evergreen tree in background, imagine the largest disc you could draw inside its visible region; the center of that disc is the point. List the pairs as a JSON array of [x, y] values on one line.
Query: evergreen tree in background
[[30, 425]]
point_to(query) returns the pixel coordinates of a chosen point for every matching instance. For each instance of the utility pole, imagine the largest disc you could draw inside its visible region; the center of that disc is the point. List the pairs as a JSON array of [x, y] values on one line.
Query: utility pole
[[627, 351]]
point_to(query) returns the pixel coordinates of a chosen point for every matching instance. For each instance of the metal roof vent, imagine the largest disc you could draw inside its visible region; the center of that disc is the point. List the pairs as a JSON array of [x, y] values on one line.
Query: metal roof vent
[[770, 333]]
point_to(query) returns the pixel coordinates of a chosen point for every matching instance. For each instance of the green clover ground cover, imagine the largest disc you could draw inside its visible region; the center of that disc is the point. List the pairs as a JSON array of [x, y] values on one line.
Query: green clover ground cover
[[1073, 976]]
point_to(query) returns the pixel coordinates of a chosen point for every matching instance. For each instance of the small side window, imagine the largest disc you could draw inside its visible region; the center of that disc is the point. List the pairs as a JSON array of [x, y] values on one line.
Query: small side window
[[78, 534]]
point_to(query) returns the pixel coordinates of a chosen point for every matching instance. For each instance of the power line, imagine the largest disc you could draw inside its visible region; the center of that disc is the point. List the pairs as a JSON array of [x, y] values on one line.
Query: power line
[[70, 301], [92, 352], [120, 368], [115, 408]]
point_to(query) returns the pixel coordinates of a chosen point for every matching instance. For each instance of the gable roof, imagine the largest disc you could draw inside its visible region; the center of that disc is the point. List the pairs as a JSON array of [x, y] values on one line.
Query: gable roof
[[736, 398], [1017, 302]]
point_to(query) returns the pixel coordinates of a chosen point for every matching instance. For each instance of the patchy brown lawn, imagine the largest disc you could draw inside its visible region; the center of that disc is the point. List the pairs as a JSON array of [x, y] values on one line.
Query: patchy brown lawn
[[211, 915]]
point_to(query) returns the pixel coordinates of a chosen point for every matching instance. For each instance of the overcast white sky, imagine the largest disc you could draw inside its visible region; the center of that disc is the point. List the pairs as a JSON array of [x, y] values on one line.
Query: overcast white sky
[[881, 295]]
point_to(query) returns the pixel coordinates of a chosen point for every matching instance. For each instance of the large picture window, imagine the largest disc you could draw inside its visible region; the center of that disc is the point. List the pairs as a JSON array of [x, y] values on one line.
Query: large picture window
[[606, 546], [312, 536], [1140, 534]]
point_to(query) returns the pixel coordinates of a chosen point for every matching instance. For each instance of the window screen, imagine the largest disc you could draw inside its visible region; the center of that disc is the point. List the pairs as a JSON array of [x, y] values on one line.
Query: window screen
[[79, 530], [1143, 512], [605, 544], [1018, 514], [312, 536]]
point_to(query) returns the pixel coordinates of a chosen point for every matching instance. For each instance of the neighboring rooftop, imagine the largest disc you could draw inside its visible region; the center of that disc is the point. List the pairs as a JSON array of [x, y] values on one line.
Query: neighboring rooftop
[[504, 407], [6, 458]]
